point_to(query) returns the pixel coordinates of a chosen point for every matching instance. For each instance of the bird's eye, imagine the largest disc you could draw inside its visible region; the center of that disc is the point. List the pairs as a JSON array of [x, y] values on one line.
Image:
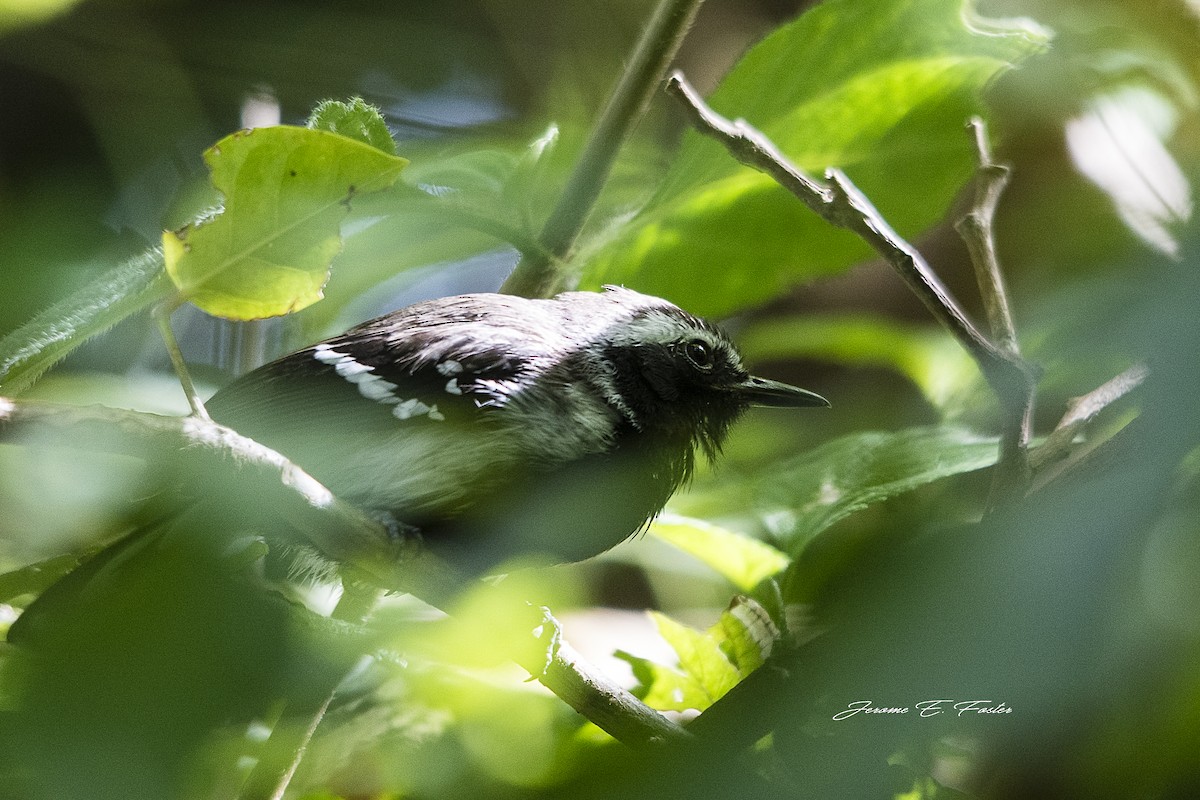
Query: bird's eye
[[699, 353]]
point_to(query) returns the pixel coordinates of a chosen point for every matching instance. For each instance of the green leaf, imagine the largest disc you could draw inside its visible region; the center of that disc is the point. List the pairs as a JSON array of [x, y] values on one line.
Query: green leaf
[[452, 206], [881, 90], [806, 494], [700, 658], [356, 119], [744, 561], [286, 191], [664, 688], [34, 578], [710, 662], [37, 345]]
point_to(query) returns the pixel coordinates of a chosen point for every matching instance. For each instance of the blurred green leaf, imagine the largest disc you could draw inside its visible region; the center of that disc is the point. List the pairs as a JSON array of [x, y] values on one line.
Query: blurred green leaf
[[881, 90], [355, 119], [810, 492], [496, 189], [449, 207], [744, 561], [33, 578], [286, 191], [18, 13]]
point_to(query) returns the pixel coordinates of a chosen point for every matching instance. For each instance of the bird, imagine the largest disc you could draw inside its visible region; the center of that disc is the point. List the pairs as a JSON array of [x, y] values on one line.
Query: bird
[[493, 426]]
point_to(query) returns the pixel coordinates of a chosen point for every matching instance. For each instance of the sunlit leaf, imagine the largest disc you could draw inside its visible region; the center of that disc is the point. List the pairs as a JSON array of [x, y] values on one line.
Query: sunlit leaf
[[664, 688], [742, 560], [700, 658], [286, 191]]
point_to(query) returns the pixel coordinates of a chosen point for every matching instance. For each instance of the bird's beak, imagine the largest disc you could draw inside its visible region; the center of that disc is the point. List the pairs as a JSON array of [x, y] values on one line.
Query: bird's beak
[[762, 392]]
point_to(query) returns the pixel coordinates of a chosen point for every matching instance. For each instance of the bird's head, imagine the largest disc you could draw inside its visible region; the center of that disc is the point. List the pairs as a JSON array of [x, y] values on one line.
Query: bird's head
[[674, 375]]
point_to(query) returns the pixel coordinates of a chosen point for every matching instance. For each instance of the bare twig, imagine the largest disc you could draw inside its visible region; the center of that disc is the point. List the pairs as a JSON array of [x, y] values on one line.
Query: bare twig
[[1010, 479], [842, 204], [976, 230], [538, 274], [246, 475], [1082, 410]]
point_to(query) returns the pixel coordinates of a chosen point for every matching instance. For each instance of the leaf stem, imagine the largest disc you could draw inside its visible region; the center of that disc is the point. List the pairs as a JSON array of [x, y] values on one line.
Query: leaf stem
[[162, 315], [539, 274]]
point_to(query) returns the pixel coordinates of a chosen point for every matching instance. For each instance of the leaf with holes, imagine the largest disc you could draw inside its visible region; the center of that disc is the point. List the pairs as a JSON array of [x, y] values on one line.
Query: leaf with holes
[[269, 249]]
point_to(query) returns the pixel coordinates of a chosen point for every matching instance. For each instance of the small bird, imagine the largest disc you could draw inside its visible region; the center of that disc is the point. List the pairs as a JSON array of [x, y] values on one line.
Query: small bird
[[496, 426]]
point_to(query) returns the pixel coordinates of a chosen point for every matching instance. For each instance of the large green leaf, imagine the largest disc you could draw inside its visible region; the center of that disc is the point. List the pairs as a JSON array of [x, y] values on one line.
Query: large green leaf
[[800, 497], [881, 90], [286, 191]]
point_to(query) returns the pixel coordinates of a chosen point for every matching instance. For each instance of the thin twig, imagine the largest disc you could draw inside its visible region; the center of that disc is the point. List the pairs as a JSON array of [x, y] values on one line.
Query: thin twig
[[977, 230], [1010, 479], [842, 204], [247, 475], [1082, 410], [270, 777], [162, 315], [538, 274]]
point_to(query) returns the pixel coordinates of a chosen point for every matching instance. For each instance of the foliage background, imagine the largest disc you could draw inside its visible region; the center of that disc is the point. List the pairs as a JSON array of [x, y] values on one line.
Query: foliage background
[[1078, 610]]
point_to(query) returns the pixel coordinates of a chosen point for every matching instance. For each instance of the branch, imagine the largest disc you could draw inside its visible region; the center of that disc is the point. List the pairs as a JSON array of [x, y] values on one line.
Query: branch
[[841, 203], [1010, 479], [247, 475], [538, 274], [1060, 444]]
